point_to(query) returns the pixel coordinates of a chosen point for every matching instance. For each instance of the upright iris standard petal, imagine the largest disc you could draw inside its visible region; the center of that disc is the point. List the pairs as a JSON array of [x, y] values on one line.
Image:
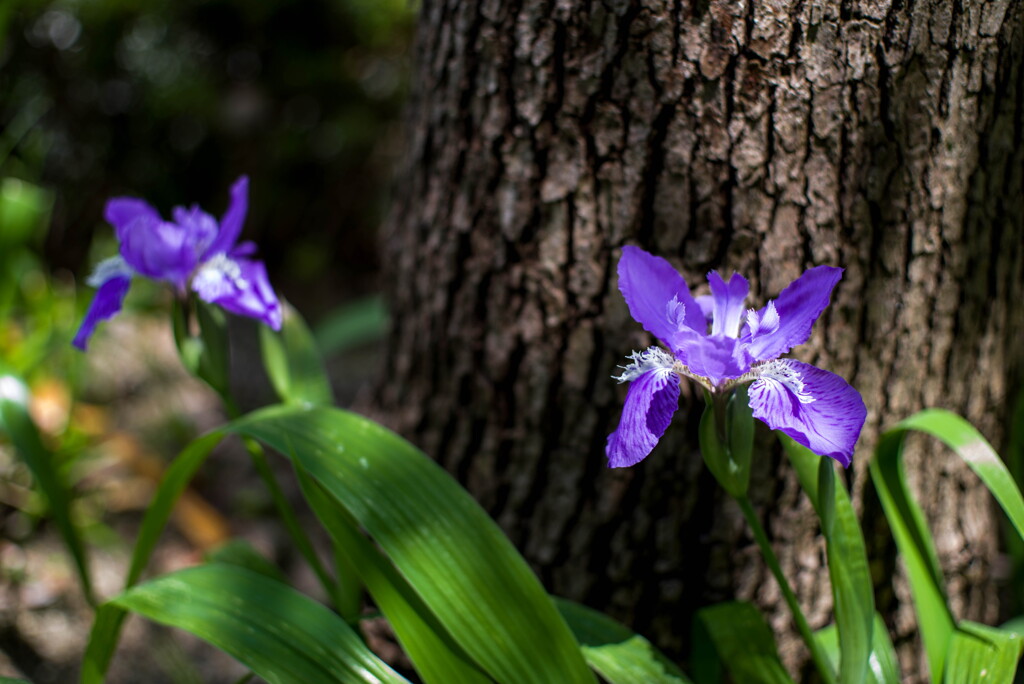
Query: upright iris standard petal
[[657, 296], [105, 304], [727, 303], [815, 407], [234, 217], [798, 307], [240, 286], [651, 402], [200, 228]]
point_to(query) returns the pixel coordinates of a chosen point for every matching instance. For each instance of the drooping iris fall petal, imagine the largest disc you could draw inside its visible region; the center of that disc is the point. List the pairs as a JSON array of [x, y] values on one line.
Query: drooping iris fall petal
[[813, 406], [651, 401], [240, 286], [107, 302]]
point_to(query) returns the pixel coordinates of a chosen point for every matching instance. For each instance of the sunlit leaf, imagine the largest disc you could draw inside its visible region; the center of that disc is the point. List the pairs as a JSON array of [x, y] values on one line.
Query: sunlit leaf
[[280, 634], [433, 652], [982, 655], [615, 652], [883, 667], [452, 554]]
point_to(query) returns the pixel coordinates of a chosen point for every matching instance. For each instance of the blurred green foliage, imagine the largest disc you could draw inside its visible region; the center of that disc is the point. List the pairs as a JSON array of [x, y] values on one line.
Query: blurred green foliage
[[172, 100]]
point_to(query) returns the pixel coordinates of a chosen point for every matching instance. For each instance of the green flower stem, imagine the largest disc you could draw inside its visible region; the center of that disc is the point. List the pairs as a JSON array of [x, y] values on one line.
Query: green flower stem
[[820, 661], [291, 523], [288, 517]]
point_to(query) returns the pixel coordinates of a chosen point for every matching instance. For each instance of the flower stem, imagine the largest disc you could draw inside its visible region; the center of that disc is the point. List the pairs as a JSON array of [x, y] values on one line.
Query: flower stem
[[820, 661], [287, 513]]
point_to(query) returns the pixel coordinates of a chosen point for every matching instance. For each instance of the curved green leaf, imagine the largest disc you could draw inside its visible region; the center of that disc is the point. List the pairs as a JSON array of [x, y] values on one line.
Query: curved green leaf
[[852, 589], [910, 528], [452, 554], [106, 626], [615, 652], [742, 642], [293, 361], [280, 634], [979, 654]]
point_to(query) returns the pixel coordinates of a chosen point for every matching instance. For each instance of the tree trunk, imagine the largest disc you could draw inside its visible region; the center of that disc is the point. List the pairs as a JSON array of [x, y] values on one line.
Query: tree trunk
[[761, 137]]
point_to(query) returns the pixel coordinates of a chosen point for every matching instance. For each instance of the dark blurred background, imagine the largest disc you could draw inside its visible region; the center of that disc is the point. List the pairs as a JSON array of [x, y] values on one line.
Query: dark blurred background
[[171, 100]]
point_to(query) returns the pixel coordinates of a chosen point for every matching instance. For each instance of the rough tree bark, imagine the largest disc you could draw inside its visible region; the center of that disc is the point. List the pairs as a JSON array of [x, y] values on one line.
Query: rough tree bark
[[762, 137]]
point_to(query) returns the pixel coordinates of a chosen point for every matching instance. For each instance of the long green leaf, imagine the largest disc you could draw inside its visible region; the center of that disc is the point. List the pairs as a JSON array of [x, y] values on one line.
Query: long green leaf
[[883, 665], [453, 555], [852, 590], [615, 652], [979, 654], [293, 362], [908, 524], [19, 426], [742, 642], [280, 634], [106, 626], [435, 655]]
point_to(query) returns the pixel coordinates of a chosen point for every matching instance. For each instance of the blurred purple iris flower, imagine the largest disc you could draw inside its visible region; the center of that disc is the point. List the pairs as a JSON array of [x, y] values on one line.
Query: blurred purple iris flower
[[192, 252], [815, 407]]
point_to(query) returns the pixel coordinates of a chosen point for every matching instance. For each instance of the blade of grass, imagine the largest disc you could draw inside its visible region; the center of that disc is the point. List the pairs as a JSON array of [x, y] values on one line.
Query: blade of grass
[[19, 426]]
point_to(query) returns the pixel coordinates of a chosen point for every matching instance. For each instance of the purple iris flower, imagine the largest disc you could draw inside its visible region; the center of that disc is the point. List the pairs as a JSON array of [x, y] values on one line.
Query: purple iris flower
[[192, 252], [815, 407]]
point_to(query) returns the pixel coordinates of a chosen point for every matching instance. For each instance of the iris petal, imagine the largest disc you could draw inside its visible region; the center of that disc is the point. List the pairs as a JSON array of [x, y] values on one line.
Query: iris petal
[[199, 227], [657, 296], [728, 303], [123, 212], [715, 357], [798, 307], [815, 407], [107, 302], [234, 217], [652, 400], [240, 286]]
